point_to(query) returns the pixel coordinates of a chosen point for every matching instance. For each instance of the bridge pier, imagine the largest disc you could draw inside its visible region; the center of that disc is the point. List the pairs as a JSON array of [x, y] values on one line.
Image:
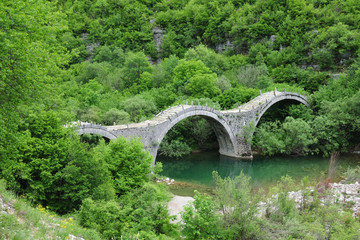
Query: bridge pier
[[244, 150]]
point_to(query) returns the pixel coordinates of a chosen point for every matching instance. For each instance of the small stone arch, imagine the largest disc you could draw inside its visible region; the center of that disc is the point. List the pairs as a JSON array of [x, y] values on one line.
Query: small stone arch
[[289, 96], [92, 130], [226, 138]]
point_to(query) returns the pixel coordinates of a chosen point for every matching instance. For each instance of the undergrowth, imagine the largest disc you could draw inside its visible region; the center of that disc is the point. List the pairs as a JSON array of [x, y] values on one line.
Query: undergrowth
[[20, 220]]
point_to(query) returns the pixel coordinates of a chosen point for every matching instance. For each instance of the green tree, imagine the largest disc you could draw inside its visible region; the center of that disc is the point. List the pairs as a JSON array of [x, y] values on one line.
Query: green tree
[[218, 63], [141, 213], [248, 76], [174, 148], [115, 116], [27, 55], [171, 45], [293, 136], [202, 85], [135, 64], [139, 108], [186, 70], [52, 167], [114, 55], [128, 163], [234, 96]]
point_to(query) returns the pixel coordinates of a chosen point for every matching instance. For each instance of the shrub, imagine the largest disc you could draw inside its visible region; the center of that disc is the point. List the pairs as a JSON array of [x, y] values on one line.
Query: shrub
[[200, 219], [115, 116], [128, 163], [238, 207]]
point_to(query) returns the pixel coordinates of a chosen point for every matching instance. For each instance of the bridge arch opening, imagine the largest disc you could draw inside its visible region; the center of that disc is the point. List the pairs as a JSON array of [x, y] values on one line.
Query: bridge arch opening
[[280, 110], [281, 105], [220, 131], [93, 139], [272, 132], [192, 133]]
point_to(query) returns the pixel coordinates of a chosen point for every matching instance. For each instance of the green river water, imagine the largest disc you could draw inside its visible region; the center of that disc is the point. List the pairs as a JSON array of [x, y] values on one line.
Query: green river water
[[195, 171]]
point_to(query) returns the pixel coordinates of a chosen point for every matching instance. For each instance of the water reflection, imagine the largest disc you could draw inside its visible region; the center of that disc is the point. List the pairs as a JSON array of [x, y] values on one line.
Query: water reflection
[[232, 167], [197, 168]]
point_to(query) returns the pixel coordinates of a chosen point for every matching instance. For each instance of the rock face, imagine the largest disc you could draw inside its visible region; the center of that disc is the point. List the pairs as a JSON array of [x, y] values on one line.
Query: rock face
[[91, 47], [158, 37], [221, 47]]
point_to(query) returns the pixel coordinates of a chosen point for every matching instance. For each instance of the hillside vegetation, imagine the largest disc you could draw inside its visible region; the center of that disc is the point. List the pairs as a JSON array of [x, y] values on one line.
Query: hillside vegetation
[[97, 61]]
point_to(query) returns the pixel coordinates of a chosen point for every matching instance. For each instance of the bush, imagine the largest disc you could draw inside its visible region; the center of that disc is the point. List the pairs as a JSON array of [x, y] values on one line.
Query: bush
[[200, 219], [234, 96], [115, 116], [128, 163], [52, 167], [174, 148], [248, 76], [141, 213], [294, 136], [352, 175], [238, 207], [139, 108]]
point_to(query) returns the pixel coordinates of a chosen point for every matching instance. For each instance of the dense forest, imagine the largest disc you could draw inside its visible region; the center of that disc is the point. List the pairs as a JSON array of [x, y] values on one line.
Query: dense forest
[[124, 61]]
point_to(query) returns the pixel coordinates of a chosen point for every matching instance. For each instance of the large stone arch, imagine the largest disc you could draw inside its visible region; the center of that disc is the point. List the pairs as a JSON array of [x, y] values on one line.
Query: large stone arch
[[225, 136], [281, 97]]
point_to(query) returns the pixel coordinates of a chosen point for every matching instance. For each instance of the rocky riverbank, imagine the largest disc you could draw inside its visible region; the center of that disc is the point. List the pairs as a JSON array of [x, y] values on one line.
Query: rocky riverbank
[[346, 195]]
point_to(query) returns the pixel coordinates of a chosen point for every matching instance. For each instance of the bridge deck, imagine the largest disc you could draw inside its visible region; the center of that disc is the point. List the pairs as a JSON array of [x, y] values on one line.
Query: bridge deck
[[159, 118], [172, 111]]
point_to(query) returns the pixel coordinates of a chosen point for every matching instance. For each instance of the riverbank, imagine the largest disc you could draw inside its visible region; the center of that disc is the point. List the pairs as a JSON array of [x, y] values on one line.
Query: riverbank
[[345, 195]]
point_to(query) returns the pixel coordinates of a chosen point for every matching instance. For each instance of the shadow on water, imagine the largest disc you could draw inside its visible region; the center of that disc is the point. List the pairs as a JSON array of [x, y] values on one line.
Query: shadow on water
[[195, 171]]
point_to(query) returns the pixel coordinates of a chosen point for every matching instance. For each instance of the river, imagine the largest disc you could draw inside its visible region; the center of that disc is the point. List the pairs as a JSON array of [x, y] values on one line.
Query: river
[[195, 171]]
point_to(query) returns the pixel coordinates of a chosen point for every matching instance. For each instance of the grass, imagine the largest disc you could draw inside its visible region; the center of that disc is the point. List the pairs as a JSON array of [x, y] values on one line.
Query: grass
[[19, 220]]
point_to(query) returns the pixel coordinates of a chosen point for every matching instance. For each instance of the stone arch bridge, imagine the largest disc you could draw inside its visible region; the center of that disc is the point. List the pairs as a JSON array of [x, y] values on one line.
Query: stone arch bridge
[[233, 128]]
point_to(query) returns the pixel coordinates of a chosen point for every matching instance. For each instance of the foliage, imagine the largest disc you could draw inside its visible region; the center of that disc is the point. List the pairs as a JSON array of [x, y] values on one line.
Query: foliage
[[128, 164], [186, 70], [52, 167], [174, 148], [237, 205], [200, 219], [285, 220], [135, 65], [352, 175], [116, 116], [216, 62], [63, 61], [233, 96], [23, 221], [248, 76], [27, 57], [294, 136], [141, 212], [192, 133], [138, 108], [223, 83], [202, 86]]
